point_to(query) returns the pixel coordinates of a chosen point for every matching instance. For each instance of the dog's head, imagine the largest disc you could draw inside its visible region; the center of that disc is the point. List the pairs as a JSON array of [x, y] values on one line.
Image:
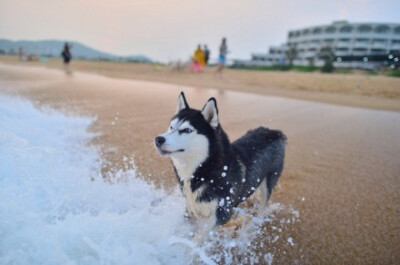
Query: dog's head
[[189, 132]]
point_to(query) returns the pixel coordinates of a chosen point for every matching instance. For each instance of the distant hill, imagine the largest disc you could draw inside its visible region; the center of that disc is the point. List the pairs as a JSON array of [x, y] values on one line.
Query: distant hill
[[52, 48]]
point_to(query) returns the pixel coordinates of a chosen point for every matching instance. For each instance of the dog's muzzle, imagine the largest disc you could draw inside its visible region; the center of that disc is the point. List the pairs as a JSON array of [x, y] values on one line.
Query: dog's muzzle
[[159, 141]]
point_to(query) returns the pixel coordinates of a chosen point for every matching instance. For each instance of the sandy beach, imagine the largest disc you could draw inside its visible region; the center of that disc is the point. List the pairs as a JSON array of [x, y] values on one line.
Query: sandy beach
[[341, 172], [357, 90]]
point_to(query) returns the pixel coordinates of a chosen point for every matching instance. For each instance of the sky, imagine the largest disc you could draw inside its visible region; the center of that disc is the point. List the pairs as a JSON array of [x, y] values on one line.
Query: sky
[[168, 30]]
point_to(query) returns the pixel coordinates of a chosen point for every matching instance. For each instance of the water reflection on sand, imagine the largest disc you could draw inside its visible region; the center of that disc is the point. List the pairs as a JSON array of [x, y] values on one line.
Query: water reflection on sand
[[341, 173]]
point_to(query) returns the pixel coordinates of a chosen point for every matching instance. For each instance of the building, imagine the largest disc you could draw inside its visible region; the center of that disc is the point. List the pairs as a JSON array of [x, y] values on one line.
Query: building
[[354, 45], [275, 56]]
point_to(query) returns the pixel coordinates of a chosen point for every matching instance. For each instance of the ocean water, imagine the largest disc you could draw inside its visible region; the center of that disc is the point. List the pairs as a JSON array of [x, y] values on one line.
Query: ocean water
[[55, 207]]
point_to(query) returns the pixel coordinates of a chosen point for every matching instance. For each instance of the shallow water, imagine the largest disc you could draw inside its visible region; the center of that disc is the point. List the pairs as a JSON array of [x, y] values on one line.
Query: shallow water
[[56, 207], [341, 170]]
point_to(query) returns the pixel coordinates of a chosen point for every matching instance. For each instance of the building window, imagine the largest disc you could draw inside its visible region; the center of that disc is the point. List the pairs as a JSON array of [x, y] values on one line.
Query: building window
[[317, 31], [378, 50], [397, 30], [364, 29], [380, 41], [382, 29], [346, 29], [330, 30], [306, 32]]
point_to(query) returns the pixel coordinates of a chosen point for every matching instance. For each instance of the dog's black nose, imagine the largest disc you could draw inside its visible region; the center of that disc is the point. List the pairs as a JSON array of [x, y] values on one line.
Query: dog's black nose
[[159, 141]]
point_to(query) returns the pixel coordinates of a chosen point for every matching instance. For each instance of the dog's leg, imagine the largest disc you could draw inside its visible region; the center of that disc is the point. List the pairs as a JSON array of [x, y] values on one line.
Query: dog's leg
[[204, 229], [263, 198]]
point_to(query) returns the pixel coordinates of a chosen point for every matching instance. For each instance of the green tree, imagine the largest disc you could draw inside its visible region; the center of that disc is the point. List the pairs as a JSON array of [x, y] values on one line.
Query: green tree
[[291, 53], [328, 56]]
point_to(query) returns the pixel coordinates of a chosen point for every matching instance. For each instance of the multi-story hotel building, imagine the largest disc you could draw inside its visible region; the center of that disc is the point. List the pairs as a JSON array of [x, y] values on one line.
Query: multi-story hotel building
[[360, 45]]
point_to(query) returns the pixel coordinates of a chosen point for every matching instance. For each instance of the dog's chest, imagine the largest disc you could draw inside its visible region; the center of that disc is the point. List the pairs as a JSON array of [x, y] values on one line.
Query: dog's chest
[[196, 208]]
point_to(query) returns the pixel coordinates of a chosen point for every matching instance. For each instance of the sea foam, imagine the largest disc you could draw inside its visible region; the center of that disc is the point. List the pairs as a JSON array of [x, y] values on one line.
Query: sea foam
[[55, 207]]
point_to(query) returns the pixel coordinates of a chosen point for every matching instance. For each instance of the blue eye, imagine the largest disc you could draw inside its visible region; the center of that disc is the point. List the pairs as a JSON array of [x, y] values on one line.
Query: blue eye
[[186, 130]]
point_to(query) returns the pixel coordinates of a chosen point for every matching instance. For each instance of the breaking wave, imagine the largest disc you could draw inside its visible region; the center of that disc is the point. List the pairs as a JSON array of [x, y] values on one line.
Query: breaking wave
[[56, 209]]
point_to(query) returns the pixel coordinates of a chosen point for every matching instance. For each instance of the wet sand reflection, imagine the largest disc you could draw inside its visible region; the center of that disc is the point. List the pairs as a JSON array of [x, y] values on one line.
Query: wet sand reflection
[[341, 171]]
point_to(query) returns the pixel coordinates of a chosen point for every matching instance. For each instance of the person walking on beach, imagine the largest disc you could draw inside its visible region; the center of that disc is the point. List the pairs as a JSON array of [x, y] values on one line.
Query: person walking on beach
[[66, 55], [223, 51], [206, 55]]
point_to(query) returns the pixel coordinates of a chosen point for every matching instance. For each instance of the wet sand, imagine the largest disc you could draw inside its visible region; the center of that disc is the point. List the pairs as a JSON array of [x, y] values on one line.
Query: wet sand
[[357, 90], [342, 165]]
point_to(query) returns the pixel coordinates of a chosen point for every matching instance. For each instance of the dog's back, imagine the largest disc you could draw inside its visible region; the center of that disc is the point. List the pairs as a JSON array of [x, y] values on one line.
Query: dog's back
[[261, 152]]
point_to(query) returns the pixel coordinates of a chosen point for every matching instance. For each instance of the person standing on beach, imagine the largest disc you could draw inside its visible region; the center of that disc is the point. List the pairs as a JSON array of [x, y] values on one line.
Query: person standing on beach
[[223, 51], [198, 59], [21, 54], [206, 55], [66, 55]]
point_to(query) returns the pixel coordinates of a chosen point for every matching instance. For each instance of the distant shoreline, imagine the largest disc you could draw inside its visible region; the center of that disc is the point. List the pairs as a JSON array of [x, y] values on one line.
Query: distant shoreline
[[356, 90]]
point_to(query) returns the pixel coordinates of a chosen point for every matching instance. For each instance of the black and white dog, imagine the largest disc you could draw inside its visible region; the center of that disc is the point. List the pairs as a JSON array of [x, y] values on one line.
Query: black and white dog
[[215, 175]]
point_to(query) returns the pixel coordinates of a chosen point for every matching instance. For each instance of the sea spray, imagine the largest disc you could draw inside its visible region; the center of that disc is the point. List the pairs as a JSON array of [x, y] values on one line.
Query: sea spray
[[57, 209]]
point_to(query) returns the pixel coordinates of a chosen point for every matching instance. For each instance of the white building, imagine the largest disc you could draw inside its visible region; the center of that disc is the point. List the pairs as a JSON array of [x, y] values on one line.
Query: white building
[[356, 45]]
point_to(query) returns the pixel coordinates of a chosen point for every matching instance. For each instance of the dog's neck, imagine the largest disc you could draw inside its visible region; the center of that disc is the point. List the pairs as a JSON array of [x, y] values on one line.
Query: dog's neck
[[187, 165], [185, 168]]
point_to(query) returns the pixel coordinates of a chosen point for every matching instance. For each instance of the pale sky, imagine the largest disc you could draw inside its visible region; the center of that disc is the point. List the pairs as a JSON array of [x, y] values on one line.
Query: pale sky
[[171, 29]]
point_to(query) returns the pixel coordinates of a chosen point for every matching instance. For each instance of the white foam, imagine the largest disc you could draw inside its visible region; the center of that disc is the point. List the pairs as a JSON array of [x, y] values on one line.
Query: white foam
[[55, 207], [52, 213]]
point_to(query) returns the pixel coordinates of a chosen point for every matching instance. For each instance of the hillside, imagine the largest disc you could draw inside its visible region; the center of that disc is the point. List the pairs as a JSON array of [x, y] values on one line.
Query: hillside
[[52, 48]]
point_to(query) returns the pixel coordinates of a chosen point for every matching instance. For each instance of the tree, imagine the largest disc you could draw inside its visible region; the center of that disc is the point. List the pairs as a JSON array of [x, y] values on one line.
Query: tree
[[328, 56], [291, 53]]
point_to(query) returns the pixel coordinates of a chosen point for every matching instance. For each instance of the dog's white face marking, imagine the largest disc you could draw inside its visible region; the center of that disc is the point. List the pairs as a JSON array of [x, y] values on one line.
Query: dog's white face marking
[[185, 146]]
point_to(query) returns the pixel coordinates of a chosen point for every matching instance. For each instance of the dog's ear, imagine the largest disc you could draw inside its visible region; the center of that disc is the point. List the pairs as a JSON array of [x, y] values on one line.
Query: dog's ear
[[182, 103], [210, 112]]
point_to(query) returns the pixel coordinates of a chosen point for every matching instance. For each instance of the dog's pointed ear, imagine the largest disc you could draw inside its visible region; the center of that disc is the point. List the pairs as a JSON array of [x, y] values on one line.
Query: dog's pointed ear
[[182, 103], [210, 112]]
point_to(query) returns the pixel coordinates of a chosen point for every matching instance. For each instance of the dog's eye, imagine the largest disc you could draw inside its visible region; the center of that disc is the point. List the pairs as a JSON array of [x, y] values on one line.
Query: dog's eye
[[170, 127], [186, 130]]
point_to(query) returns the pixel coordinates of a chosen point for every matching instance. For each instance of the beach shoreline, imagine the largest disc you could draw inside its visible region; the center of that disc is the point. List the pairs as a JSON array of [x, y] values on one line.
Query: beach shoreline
[[340, 168], [356, 90]]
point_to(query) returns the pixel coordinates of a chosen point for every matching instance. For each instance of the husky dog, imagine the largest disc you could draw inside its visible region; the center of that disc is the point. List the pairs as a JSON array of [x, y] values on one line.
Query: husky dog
[[215, 175]]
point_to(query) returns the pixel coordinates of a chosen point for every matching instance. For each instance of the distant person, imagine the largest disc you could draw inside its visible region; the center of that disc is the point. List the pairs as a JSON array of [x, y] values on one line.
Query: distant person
[[223, 51], [198, 59], [21, 54], [206, 54], [66, 55]]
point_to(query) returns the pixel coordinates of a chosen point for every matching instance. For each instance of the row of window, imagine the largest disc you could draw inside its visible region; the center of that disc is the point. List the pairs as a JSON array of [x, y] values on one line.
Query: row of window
[[338, 52], [340, 49], [267, 59], [347, 41], [364, 50], [345, 29]]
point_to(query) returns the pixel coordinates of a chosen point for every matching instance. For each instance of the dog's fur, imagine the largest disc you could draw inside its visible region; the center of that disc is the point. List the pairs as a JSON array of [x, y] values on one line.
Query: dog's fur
[[214, 174]]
